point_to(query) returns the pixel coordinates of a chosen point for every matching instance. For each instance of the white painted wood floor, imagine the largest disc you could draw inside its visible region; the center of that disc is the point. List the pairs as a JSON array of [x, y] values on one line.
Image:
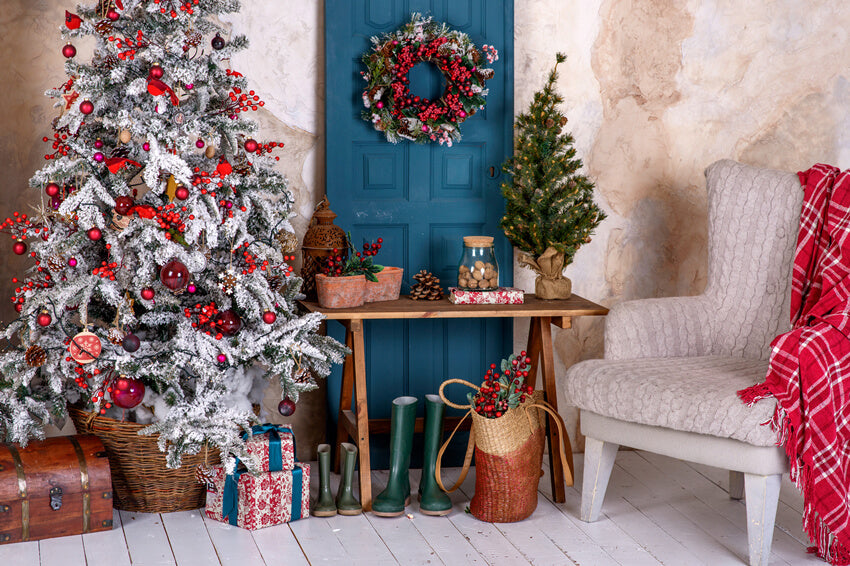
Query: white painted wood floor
[[657, 511]]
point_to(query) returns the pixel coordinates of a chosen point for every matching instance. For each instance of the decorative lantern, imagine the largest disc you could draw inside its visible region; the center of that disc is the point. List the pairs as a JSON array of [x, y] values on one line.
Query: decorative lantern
[[321, 239]]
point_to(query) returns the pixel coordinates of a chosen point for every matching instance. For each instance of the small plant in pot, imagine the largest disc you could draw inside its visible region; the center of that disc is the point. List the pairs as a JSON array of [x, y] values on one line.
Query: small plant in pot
[[342, 282]]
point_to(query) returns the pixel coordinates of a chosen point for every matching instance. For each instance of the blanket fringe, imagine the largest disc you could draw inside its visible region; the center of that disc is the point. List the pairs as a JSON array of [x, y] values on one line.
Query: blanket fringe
[[754, 394]]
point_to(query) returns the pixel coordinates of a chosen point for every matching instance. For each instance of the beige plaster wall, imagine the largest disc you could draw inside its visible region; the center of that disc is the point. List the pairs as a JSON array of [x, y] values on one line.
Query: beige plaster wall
[[655, 90]]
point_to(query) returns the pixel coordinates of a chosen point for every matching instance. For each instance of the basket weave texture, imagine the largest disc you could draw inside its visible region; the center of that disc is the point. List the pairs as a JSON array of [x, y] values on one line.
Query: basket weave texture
[[141, 481]]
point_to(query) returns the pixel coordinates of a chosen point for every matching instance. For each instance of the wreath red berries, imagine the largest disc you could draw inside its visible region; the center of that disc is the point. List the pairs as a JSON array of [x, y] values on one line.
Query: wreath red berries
[[394, 110]]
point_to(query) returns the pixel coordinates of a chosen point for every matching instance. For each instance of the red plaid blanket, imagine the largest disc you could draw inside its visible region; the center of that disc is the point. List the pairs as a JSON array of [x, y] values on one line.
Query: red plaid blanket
[[810, 366]]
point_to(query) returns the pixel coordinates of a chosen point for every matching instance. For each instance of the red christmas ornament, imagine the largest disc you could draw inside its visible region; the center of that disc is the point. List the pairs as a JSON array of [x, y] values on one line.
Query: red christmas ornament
[[174, 275], [52, 189], [221, 358], [123, 204], [286, 407], [19, 247], [217, 42], [228, 322], [127, 392], [85, 347], [156, 72], [113, 15], [86, 107], [251, 145], [131, 343], [94, 233], [44, 318], [269, 317], [199, 144], [182, 193], [147, 293], [69, 50]]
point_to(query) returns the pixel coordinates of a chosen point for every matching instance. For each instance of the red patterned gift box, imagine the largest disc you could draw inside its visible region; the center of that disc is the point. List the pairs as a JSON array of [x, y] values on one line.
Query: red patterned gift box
[[257, 501], [501, 296], [273, 445]]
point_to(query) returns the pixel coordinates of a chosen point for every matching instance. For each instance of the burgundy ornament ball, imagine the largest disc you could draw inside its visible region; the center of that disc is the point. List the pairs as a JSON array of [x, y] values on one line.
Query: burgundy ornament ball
[[99, 157], [228, 322], [86, 107], [123, 204], [182, 193], [19, 247], [156, 72], [113, 15], [217, 42], [286, 407], [131, 343], [52, 189], [251, 145], [94, 233], [69, 51], [200, 143], [147, 293], [98, 143], [127, 392], [269, 317], [55, 202], [44, 318], [174, 275]]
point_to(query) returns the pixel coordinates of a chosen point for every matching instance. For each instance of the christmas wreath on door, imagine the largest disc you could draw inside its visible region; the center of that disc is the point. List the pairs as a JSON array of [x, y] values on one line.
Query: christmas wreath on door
[[400, 114]]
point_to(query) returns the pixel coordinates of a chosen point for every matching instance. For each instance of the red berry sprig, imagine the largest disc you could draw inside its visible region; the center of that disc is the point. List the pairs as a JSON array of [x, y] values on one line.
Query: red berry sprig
[[505, 390], [336, 265], [206, 318]]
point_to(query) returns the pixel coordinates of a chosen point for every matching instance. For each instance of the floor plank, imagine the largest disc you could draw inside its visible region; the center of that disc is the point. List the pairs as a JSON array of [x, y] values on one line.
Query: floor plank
[[107, 548], [62, 551], [20, 554], [234, 546], [189, 539], [146, 539]]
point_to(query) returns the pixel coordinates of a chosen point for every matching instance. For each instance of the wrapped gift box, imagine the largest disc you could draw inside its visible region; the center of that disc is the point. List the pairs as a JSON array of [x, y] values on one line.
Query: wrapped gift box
[[262, 500], [273, 445], [501, 296]]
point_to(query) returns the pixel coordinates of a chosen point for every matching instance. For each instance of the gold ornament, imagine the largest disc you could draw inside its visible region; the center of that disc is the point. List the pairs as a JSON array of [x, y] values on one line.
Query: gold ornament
[[171, 188], [125, 136], [288, 241], [35, 356], [210, 151]]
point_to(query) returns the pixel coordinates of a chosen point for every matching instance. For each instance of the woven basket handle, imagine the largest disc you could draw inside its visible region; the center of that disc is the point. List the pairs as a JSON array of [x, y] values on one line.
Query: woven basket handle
[[566, 463], [467, 459], [446, 400]]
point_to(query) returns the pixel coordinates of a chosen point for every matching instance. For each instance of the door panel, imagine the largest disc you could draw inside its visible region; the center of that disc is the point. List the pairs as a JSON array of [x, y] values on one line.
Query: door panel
[[421, 199]]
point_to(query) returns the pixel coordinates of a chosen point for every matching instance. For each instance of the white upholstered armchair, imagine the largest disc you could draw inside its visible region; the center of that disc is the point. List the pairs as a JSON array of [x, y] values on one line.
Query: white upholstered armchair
[[672, 366]]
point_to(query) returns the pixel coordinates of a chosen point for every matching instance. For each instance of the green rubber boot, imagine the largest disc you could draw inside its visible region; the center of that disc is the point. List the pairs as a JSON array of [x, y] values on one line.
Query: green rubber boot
[[432, 499], [391, 501], [324, 506], [346, 503]]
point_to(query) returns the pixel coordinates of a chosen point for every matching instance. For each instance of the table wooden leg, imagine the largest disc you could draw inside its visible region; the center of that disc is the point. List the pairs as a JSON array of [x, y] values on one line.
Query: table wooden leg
[[533, 351], [559, 476], [346, 394], [362, 413]]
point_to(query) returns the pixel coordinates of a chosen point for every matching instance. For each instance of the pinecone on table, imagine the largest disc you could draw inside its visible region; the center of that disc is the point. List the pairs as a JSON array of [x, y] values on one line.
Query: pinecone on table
[[427, 288]]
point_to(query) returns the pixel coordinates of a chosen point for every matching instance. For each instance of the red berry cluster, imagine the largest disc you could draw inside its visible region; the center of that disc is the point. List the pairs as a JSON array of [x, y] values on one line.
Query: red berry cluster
[[167, 7], [263, 148], [129, 45], [82, 375], [504, 391], [337, 266], [60, 148], [206, 318], [288, 267], [169, 219], [250, 261], [333, 264], [239, 101], [106, 270]]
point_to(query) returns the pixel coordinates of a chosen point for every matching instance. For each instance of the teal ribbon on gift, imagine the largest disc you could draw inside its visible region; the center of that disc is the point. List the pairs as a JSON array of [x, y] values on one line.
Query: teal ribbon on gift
[[230, 503], [275, 454]]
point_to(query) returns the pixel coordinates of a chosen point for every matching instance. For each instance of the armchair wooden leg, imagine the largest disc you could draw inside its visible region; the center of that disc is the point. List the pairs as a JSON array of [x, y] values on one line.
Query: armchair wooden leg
[[598, 462], [762, 494], [736, 484]]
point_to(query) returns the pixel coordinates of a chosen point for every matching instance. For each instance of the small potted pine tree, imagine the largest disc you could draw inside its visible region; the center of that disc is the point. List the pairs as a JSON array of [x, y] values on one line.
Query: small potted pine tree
[[550, 210]]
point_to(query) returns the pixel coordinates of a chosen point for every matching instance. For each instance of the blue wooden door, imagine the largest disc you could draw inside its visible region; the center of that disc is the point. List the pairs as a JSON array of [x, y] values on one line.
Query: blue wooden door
[[421, 199]]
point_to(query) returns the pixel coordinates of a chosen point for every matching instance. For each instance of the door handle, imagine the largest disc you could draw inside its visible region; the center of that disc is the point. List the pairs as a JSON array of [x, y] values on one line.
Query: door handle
[[492, 172]]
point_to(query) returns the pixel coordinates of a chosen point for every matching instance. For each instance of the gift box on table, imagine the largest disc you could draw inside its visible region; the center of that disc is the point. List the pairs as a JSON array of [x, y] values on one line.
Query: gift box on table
[[255, 501], [501, 296], [273, 445]]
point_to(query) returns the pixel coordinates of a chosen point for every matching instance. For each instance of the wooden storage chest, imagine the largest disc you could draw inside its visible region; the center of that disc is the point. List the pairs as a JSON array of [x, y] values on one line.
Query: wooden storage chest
[[55, 487]]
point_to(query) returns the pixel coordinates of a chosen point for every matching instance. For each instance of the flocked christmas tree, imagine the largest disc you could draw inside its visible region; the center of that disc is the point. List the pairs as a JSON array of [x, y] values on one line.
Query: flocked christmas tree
[[550, 211], [159, 284]]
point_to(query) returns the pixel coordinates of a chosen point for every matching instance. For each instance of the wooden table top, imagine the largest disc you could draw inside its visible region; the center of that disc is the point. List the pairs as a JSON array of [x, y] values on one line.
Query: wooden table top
[[405, 307]]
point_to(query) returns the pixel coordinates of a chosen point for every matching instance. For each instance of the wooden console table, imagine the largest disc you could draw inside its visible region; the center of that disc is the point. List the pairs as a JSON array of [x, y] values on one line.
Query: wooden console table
[[542, 314]]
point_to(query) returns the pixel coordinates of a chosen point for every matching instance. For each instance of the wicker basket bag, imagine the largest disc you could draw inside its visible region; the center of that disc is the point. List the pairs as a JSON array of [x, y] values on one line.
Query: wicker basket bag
[[141, 482], [508, 458]]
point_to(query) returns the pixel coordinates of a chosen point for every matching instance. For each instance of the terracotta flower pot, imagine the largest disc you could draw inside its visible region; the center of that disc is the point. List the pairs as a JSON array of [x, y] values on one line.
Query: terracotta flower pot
[[388, 286], [341, 292]]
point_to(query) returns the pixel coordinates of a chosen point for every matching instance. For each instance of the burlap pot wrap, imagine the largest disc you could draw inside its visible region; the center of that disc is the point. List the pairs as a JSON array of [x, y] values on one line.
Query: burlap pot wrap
[[550, 282]]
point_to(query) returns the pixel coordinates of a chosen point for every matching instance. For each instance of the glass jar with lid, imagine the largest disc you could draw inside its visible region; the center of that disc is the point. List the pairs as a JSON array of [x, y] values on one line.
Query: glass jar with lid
[[478, 269]]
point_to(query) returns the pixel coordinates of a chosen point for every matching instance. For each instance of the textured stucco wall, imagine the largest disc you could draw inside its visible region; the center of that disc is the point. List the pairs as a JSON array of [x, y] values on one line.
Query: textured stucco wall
[[655, 90]]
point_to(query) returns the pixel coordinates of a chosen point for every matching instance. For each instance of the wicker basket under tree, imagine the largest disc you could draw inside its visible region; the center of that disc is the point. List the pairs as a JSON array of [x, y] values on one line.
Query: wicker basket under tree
[[141, 481]]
